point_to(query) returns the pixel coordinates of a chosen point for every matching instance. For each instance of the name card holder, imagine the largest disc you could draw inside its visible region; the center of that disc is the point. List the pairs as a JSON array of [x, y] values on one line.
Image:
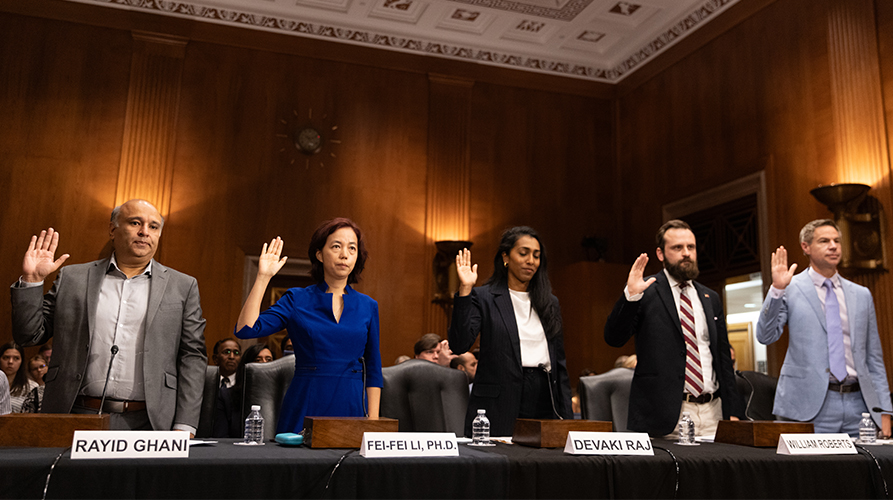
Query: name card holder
[[409, 444], [816, 444], [129, 444], [608, 443]]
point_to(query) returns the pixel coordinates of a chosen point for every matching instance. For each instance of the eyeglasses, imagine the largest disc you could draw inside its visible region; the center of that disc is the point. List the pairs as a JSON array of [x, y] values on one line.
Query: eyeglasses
[[234, 352]]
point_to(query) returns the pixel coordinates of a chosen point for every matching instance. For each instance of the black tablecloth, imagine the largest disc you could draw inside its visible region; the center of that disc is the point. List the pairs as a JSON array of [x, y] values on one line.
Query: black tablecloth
[[505, 471]]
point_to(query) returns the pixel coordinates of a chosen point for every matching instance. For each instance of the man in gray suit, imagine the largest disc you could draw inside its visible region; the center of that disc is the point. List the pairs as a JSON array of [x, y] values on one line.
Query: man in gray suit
[[834, 368], [126, 322]]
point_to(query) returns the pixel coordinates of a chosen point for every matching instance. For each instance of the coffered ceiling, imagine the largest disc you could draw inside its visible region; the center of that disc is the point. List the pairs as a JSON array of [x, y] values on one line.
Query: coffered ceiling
[[597, 40]]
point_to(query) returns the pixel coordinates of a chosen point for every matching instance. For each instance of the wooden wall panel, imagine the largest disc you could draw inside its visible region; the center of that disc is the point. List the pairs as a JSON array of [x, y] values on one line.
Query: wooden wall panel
[[63, 92]]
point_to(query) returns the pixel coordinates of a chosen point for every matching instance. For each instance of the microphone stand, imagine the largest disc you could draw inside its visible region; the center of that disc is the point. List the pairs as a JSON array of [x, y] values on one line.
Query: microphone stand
[[107, 374], [542, 367]]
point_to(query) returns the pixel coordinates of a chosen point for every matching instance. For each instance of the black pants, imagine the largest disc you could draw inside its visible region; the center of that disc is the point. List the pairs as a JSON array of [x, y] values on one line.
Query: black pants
[[536, 398]]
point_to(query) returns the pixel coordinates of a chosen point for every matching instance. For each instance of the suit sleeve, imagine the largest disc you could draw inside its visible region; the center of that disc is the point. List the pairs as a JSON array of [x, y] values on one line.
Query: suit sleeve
[[33, 313], [565, 409], [466, 322], [372, 354], [875, 359], [773, 316], [191, 361], [622, 323]]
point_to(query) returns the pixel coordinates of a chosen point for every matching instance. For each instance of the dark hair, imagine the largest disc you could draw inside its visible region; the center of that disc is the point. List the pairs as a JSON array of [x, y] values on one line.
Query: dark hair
[[539, 288], [428, 341], [19, 386], [283, 342], [251, 353], [670, 224], [318, 241], [220, 343]]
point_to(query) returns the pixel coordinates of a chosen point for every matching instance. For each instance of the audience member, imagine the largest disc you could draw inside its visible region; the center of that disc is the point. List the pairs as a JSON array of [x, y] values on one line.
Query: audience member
[[46, 351], [467, 363], [158, 336], [734, 360], [429, 347], [285, 347], [631, 361], [20, 384], [401, 358], [37, 368], [680, 331], [620, 360], [256, 353], [227, 355]]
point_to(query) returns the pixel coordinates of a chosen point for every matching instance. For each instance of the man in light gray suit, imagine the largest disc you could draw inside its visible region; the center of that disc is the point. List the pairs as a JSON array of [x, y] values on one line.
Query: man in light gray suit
[[125, 327], [834, 368]]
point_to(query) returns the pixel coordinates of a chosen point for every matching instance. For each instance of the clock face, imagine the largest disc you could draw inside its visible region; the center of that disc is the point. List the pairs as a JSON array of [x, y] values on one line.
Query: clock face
[[308, 140]]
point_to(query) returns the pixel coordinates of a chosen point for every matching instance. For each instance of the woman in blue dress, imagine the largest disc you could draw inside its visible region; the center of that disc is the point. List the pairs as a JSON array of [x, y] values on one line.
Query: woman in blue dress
[[333, 328]]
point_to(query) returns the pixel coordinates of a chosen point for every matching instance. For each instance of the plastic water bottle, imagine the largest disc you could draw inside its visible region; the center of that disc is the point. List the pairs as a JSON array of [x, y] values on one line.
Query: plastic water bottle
[[254, 426], [480, 427], [867, 430], [686, 429]]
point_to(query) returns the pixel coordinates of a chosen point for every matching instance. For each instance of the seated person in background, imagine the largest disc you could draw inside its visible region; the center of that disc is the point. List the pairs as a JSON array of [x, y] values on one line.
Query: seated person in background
[[429, 347], [631, 362], [37, 368], [5, 406], [257, 353], [11, 356], [227, 355], [285, 347], [46, 351], [620, 360], [401, 358], [467, 363], [228, 420]]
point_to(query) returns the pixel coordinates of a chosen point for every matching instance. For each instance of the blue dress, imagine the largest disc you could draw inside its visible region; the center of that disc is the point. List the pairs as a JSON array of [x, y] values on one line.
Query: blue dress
[[328, 372]]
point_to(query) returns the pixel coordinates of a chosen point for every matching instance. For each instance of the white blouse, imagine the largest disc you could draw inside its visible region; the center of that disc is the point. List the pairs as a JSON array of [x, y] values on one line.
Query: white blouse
[[534, 349]]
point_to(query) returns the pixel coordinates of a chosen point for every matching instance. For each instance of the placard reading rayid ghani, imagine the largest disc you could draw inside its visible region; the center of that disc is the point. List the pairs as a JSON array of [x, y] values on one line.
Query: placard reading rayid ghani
[[129, 444]]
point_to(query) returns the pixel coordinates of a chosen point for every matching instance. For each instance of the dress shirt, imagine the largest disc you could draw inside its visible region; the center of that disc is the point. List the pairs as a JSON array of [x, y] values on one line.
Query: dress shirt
[[819, 281], [120, 320], [230, 380], [534, 348], [701, 331]]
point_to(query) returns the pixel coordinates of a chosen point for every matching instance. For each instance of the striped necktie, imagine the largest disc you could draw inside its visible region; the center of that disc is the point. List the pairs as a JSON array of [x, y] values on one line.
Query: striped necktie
[[694, 379]]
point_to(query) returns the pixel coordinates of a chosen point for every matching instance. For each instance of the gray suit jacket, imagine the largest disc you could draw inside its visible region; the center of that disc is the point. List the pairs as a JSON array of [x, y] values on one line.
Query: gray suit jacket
[[803, 381], [175, 356]]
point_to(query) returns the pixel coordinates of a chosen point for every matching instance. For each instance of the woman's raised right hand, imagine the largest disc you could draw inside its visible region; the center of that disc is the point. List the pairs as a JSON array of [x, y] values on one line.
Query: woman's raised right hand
[[269, 262], [468, 273]]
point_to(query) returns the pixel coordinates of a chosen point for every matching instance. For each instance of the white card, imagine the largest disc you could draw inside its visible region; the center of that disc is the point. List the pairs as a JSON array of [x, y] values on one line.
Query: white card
[[409, 444], [608, 443], [815, 444], [129, 444]]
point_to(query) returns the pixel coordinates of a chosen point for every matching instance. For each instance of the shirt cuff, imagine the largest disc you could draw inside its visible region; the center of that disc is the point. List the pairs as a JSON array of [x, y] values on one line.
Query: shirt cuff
[[632, 298], [26, 284], [776, 293], [183, 427]]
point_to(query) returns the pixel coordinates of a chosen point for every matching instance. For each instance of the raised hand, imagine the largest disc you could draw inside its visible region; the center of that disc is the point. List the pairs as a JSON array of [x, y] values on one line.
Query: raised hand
[[39, 259], [634, 284], [781, 273], [468, 273], [269, 262]]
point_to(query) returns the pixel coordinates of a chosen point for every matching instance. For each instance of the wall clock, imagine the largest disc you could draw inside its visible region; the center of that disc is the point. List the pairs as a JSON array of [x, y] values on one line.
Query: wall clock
[[307, 139]]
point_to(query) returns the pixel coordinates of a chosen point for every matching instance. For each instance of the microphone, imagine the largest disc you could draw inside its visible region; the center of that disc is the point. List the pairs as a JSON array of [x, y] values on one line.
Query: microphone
[[365, 407], [542, 367], [107, 374], [750, 398]]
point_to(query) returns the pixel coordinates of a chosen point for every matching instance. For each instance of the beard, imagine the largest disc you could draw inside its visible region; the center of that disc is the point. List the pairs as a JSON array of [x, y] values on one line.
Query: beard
[[684, 270]]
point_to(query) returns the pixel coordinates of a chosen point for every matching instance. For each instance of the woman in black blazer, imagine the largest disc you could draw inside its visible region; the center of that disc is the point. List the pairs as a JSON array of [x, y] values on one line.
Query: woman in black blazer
[[522, 371]]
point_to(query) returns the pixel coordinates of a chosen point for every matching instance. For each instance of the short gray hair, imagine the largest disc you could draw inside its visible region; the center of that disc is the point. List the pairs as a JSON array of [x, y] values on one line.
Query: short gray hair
[[808, 231], [116, 212]]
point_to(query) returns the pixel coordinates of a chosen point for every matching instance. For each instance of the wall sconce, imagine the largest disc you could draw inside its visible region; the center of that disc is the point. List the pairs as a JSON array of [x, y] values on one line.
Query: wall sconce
[[861, 224], [446, 279]]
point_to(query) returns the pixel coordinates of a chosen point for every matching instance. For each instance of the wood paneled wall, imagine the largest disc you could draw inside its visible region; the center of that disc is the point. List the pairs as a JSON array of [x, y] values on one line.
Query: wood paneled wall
[[798, 83], [230, 181]]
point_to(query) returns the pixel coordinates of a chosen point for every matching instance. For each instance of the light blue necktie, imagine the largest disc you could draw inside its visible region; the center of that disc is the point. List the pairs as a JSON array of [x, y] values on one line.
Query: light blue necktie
[[836, 356]]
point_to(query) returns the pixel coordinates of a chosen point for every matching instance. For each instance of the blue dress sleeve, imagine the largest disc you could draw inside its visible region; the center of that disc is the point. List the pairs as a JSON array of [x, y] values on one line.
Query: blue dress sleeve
[[372, 353], [272, 320]]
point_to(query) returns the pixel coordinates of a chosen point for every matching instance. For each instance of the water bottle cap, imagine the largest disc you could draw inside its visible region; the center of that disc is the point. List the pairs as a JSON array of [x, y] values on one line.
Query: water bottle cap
[[255, 407], [686, 414], [866, 415], [481, 412]]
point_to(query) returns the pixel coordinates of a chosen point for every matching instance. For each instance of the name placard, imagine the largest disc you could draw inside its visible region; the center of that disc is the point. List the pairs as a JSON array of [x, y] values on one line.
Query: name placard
[[409, 444], [129, 444], [815, 444], [608, 443]]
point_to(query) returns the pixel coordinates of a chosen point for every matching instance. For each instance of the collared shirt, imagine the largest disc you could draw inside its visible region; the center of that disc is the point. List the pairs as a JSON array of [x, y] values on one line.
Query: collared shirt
[[230, 379], [701, 330], [120, 320], [534, 348], [819, 282]]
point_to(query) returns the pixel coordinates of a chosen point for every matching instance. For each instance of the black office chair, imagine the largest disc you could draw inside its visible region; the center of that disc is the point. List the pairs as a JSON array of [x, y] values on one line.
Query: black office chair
[[265, 385], [209, 402], [758, 391], [605, 397], [425, 397]]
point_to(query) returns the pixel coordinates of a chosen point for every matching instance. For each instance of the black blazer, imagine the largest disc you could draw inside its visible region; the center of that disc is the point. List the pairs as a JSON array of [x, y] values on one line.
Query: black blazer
[[499, 379], [655, 397]]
